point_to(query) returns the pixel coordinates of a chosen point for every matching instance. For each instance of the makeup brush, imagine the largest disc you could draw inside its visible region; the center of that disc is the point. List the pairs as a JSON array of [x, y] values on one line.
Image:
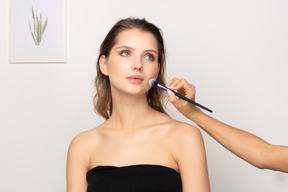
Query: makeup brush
[[154, 83]]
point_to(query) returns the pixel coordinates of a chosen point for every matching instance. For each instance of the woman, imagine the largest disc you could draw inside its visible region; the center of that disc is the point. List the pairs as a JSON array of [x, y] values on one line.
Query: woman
[[139, 147]]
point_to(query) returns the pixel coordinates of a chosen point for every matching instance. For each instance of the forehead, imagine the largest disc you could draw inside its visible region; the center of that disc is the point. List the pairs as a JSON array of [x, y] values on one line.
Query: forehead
[[136, 38]]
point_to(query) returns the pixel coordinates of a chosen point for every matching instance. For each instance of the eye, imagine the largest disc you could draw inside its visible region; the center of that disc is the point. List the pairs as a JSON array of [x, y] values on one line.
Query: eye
[[125, 53], [150, 57]]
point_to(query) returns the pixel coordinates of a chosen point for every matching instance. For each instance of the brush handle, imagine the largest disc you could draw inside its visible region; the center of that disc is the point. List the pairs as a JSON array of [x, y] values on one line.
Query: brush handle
[[191, 101]]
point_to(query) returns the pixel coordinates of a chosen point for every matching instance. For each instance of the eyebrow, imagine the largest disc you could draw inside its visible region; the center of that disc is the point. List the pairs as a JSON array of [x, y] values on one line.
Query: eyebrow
[[127, 47]]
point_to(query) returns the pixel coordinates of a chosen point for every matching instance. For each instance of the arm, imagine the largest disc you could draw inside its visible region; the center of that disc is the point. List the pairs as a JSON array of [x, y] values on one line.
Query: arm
[[245, 145], [191, 159], [77, 166]]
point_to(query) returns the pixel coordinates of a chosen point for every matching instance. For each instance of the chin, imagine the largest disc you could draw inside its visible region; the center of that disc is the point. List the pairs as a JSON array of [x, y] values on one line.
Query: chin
[[137, 92], [132, 90]]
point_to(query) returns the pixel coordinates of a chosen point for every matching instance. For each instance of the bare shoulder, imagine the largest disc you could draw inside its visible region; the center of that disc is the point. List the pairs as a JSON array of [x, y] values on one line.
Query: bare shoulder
[[78, 159], [185, 138], [177, 130], [185, 131], [86, 139], [84, 143]]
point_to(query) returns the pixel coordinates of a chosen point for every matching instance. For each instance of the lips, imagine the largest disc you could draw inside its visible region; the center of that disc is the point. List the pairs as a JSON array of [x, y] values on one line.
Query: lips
[[135, 79]]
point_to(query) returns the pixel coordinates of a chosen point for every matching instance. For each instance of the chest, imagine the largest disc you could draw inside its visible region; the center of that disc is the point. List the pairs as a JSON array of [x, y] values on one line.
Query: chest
[[141, 148]]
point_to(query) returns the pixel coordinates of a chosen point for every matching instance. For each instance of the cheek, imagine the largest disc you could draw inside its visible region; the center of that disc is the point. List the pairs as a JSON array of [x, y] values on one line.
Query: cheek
[[156, 68], [115, 66], [153, 70]]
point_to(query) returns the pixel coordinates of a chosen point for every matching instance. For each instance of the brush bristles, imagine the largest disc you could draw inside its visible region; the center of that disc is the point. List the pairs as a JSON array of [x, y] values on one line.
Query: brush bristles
[[153, 83]]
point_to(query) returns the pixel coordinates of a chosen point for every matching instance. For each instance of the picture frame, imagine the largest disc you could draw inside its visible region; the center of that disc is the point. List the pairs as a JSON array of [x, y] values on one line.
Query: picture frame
[[37, 30]]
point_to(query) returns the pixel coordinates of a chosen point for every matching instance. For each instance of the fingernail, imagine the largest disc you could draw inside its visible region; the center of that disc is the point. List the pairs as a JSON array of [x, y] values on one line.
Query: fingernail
[[170, 87], [168, 92]]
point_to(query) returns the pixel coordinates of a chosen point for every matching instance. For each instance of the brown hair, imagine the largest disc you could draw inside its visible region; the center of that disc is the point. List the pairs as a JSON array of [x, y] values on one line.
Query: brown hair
[[103, 99]]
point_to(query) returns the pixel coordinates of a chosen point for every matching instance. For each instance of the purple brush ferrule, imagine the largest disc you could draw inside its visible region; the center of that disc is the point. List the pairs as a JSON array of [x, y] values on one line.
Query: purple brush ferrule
[[162, 87]]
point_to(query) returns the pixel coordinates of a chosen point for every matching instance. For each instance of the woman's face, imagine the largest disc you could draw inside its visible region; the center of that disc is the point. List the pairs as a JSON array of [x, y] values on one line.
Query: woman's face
[[132, 62]]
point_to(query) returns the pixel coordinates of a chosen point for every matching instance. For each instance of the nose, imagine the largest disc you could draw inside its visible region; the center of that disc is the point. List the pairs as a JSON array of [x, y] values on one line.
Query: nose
[[137, 64]]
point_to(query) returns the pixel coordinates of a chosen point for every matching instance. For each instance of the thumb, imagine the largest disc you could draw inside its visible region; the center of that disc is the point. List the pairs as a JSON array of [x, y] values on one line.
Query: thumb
[[172, 98]]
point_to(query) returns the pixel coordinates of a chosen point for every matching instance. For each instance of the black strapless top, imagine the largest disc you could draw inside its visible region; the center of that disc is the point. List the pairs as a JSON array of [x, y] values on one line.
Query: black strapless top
[[133, 178]]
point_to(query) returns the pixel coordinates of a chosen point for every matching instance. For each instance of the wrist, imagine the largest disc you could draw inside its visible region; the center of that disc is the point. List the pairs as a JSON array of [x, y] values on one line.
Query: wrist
[[196, 115]]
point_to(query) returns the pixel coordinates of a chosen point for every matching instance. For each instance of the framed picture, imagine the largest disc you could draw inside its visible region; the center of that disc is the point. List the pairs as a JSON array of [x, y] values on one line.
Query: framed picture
[[37, 31]]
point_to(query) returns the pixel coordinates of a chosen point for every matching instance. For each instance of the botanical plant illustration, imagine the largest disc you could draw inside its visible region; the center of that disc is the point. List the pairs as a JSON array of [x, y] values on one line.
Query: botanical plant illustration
[[39, 29]]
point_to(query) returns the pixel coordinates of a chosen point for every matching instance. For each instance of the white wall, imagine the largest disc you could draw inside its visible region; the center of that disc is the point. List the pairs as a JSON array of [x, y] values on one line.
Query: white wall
[[234, 51]]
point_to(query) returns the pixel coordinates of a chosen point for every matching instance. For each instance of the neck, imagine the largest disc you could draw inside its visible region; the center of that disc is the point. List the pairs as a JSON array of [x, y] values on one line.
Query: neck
[[130, 112]]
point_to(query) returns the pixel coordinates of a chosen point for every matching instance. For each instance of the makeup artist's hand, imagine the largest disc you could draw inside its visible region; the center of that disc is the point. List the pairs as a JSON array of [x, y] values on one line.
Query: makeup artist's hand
[[185, 89]]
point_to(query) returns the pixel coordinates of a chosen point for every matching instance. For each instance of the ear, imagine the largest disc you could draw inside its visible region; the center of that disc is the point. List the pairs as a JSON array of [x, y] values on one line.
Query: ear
[[103, 65]]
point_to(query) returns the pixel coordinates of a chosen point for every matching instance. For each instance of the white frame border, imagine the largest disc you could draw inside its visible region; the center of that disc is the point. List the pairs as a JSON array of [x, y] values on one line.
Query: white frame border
[[61, 59]]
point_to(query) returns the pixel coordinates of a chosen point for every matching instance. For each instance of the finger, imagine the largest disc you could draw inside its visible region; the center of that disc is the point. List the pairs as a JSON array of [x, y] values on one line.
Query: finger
[[172, 83], [168, 84], [172, 97], [184, 88], [187, 86], [180, 84]]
